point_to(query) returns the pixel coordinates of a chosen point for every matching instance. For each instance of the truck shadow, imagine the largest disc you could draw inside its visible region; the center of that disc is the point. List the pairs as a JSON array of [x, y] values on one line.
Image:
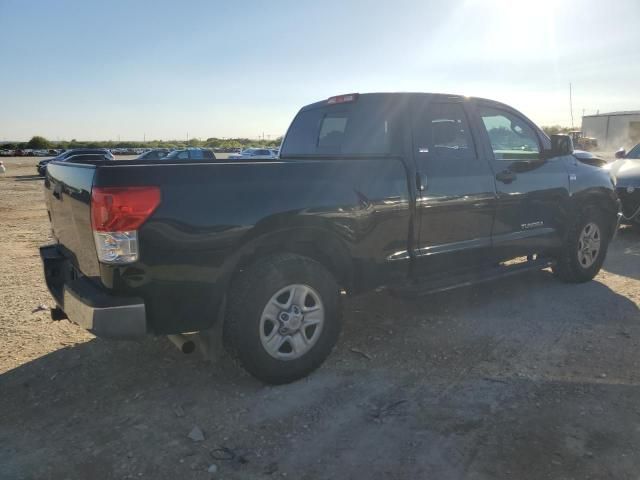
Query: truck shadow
[[441, 375]]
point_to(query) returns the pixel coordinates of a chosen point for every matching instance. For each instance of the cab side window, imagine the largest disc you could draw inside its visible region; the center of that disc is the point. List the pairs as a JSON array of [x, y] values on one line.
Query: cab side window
[[511, 137], [443, 133]]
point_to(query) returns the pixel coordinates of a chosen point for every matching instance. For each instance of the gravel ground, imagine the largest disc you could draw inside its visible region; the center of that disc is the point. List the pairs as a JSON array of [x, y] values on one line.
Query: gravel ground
[[525, 378]]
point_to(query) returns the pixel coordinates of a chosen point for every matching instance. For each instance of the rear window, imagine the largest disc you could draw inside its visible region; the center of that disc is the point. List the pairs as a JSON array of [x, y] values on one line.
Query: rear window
[[371, 125], [332, 128]]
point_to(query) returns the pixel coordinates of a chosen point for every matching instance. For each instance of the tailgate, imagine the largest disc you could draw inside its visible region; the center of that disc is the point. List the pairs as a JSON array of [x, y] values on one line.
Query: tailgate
[[68, 198]]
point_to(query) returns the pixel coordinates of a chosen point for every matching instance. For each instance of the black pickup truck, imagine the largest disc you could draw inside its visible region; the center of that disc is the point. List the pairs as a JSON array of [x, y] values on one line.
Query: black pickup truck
[[414, 192]]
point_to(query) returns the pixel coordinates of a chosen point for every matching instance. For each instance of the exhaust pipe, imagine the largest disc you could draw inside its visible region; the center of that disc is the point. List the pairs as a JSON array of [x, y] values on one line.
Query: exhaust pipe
[[58, 314], [184, 343]]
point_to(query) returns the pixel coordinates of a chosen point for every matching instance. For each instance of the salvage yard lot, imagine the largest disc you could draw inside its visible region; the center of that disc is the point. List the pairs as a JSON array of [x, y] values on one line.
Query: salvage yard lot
[[524, 378]]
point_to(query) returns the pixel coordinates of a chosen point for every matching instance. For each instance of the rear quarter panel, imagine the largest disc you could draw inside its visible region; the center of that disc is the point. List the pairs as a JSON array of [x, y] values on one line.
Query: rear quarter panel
[[70, 212]]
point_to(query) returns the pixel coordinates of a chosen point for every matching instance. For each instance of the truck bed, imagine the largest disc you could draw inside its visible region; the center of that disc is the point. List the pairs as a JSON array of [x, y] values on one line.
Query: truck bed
[[215, 214]]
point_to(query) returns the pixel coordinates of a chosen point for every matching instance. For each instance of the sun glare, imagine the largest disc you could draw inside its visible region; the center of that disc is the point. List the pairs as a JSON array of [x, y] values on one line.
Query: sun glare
[[519, 30]]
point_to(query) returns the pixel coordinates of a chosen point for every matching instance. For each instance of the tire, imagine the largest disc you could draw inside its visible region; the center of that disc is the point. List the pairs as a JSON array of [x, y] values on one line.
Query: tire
[[574, 267], [254, 324]]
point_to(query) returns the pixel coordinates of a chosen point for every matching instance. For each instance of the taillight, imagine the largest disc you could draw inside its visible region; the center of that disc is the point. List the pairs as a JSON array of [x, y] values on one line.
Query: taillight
[[116, 215]]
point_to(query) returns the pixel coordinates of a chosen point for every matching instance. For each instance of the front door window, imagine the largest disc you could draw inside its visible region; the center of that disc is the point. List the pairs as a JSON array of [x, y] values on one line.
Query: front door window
[[511, 138]]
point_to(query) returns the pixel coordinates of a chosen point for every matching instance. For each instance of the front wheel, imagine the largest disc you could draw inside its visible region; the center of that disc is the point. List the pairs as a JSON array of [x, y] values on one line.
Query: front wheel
[[584, 249], [283, 318]]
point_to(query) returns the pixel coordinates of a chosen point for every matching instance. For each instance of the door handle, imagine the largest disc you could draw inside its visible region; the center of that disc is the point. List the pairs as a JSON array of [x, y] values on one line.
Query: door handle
[[506, 176]]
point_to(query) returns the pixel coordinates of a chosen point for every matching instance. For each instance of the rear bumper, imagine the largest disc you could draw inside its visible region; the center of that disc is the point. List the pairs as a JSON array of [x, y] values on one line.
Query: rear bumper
[[89, 305]]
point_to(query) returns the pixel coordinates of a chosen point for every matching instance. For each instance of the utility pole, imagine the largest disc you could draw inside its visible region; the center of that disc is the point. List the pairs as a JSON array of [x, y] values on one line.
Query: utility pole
[[571, 105]]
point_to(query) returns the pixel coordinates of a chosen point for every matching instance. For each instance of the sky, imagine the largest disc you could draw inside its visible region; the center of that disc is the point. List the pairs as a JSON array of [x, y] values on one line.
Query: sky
[[129, 69]]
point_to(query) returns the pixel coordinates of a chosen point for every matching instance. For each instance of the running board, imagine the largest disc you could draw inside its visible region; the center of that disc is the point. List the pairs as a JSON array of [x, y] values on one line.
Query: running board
[[427, 287]]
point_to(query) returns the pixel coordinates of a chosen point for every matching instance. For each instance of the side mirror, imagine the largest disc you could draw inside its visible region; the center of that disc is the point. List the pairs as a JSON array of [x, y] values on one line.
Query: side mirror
[[621, 153], [561, 145]]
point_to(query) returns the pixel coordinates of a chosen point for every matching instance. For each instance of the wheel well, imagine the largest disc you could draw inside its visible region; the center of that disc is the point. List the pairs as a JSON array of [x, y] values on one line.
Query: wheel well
[[601, 203], [323, 248]]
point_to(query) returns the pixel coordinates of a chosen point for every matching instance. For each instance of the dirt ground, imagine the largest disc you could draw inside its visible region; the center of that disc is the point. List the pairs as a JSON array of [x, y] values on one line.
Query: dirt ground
[[525, 378]]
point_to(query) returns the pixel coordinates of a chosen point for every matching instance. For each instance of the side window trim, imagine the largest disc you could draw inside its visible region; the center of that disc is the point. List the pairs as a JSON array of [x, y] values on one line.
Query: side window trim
[[470, 129]]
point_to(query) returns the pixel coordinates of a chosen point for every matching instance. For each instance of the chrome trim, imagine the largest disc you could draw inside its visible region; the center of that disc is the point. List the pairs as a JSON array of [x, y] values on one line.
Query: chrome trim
[[453, 246], [401, 255], [441, 248], [521, 234]]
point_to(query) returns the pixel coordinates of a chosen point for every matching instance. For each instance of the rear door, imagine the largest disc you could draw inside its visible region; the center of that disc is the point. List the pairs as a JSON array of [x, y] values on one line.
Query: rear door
[[456, 197], [532, 190], [365, 142]]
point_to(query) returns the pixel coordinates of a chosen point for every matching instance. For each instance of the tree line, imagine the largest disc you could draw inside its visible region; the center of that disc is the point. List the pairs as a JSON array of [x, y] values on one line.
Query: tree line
[[38, 142], [41, 143]]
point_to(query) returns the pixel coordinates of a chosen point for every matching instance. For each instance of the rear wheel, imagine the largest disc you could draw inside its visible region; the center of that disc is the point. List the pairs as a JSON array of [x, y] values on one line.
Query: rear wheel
[[283, 318], [585, 247]]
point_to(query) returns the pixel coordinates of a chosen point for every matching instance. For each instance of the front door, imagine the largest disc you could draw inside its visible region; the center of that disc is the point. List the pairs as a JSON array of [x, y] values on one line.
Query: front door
[[456, 192], [532, 190]]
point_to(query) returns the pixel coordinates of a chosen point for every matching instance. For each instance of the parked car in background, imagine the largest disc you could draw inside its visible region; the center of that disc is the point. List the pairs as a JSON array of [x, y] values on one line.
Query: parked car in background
[[633, 153], [42, 165], [625, 172], [154, 154], [88, 158], [254, 154], [226, 150], [414, 192], [191, 154]]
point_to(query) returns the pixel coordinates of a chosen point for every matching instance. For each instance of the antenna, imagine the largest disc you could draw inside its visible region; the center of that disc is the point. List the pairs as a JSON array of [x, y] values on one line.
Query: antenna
[[571, 105]]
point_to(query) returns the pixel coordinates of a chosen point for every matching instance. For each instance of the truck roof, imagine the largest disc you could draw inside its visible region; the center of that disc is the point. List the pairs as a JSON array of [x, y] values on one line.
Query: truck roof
[[403, 96]]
